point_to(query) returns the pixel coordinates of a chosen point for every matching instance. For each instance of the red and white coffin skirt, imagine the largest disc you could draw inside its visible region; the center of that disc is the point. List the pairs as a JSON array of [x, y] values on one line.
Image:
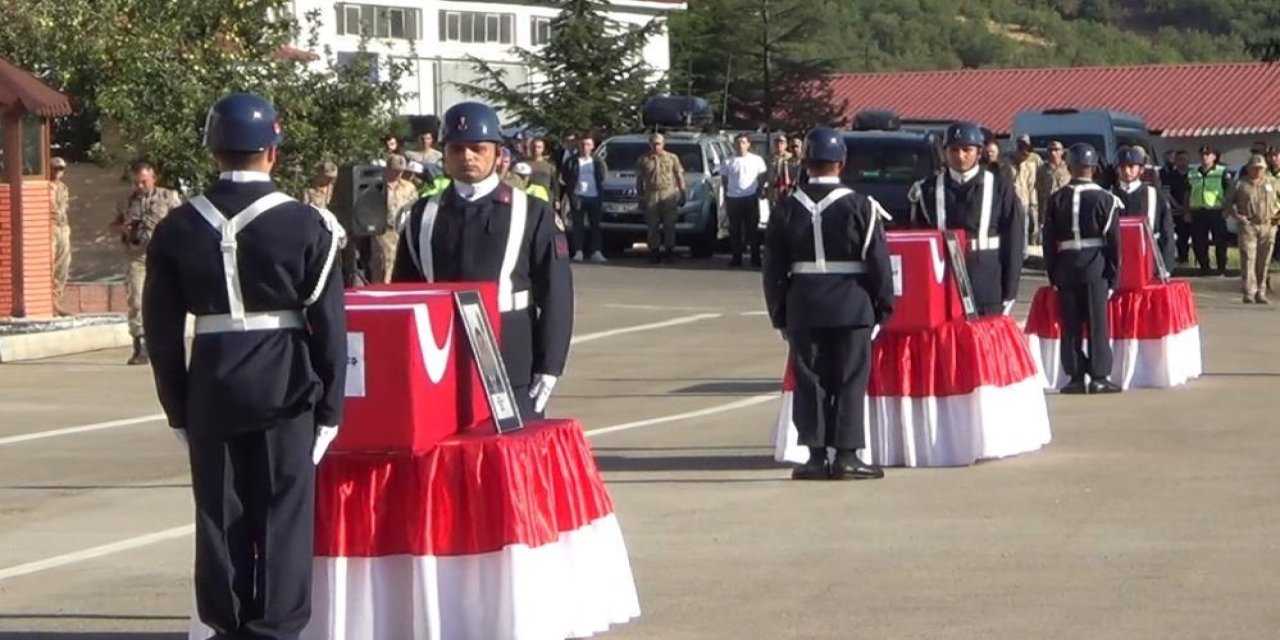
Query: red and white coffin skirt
[[1155, 336], [949, 396], [482, 538]]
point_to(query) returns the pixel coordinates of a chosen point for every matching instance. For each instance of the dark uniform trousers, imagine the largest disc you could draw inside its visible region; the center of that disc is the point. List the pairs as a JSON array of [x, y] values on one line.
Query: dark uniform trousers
[[249, 400], [1206, 223], [1081, 235], [448, 239], [827, 299], [744, 224], [994, 256]]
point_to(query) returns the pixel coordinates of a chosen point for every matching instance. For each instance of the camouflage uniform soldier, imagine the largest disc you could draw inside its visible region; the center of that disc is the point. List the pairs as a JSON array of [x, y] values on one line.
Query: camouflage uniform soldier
[[395, 193], [321, 189], [136, 218], [660, 186], [61, 233]]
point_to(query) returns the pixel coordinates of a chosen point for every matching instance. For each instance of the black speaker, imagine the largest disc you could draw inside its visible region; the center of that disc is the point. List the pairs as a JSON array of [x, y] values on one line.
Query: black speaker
[[353, 180]]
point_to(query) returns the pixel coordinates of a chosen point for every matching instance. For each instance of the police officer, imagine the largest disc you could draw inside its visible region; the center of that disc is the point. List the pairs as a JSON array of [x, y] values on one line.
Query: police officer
[[1142, 200], [827, 284], [268, 365], [1082, 255], [480, 229], [970, 197], [1210, 183]]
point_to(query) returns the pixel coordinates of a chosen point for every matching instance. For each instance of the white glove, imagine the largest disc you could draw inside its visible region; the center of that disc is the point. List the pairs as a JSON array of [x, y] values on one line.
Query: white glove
[[324, 437], [181, 435], [1110, 292], [540, 390], [1008, 306], [875, 331]]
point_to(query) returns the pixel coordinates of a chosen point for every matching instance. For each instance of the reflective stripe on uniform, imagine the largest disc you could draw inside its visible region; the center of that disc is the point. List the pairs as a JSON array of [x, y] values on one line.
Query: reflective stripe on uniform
[[983, 241], [834, 266], [815, 216], [237, 319], [508, 298]]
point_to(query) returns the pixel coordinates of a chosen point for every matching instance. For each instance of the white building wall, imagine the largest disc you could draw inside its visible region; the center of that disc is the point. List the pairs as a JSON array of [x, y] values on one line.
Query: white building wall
[[435, 65]]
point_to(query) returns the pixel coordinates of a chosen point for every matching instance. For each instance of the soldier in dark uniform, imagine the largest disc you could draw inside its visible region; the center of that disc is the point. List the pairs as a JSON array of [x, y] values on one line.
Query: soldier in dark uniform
[[1141, 200], [263, 394], [479, 229], [971, 197], [827, 285], [1082, 255]]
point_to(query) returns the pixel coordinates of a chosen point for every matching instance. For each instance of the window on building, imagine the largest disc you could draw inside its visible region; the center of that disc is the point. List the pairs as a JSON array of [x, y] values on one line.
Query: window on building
[[379, 21], [34, 145], [540, 27], [472, 26]]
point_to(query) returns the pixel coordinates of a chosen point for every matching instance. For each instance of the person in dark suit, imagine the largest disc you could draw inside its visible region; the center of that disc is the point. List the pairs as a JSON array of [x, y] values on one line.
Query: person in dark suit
[[969, 197], [263, 394], [481, 230], [1082, 257], [584, 175], [1141, 200], [828, 285]]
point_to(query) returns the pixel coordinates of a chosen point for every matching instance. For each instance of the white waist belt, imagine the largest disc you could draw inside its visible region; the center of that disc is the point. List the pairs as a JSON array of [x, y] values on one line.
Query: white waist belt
[[828, 267], [992, 243], [1087, 243], [252, 321], [519, 301]]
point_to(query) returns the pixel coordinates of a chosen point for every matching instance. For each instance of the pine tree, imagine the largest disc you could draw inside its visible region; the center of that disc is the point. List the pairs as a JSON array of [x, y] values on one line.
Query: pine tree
[[591, 73]]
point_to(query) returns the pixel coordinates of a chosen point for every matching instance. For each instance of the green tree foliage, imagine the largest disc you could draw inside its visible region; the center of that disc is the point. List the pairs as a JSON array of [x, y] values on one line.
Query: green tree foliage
[[591, 73], [143, 73]]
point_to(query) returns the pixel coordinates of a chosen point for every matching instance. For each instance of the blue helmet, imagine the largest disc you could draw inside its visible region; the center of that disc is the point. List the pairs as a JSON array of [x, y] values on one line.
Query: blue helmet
[[964, 134], [1130, 155], [471, 122], [824, 144], [244, 122], [1082, 154]]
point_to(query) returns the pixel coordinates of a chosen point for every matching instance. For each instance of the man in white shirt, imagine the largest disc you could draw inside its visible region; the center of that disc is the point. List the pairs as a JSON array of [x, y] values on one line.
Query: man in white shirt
[[584, 175], [744, 179]]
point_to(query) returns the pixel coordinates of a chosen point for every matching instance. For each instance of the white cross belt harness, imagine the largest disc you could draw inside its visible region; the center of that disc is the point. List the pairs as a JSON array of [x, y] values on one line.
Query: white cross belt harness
[[238, 319], [508, 298], [820, 264], [983, 241], [1077, 243]]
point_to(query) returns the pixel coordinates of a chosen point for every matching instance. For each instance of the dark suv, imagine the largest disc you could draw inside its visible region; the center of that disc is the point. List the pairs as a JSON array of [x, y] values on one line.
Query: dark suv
[[885, 165]]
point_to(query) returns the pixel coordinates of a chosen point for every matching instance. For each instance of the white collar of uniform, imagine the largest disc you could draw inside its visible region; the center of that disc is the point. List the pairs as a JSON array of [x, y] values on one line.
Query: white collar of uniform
[[473, 192], [966, 176], [245, 176], [825, 180], [1130, 187]]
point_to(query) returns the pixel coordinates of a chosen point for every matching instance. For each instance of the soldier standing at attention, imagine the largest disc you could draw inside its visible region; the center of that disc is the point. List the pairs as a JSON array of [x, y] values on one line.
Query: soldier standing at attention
[[321, 190], [1052, 175], [1082, 257], [781, 174], [1021, 169], [262, 396], [660, 187], [1141, 200], [481, 230], [828, 284], [136, 219], [1210, 183], [1254, 202], [61, 233], [388, 198]]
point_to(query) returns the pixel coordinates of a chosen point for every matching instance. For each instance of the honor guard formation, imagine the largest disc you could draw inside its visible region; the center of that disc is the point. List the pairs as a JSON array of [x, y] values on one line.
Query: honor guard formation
[[364, 387]]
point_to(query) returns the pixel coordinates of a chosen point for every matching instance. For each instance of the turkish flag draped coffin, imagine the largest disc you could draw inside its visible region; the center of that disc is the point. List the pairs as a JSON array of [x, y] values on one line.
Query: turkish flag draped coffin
[[411, 378], [483, 537], [926, 295], [1137, 255], [949, 396], [1155, 336]]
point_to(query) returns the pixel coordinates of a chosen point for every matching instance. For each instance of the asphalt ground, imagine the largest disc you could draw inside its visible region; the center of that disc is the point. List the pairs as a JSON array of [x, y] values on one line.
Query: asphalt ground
[[1152, 514]]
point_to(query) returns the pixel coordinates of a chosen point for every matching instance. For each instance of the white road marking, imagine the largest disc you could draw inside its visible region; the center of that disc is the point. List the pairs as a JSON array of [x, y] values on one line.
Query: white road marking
[[96, 552], [97, 426], [754, 313], [720, 408], [588, 337]]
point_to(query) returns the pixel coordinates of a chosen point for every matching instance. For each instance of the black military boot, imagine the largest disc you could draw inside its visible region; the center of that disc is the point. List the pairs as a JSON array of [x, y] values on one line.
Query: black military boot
[[1075, 387], [848, 466], [1103, 385], [815, 468], [139, 351]]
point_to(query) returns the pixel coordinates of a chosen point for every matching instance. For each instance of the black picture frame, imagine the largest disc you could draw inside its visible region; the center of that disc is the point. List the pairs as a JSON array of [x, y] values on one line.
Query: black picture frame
[[960, 273], [488, 357], [1162, 269]]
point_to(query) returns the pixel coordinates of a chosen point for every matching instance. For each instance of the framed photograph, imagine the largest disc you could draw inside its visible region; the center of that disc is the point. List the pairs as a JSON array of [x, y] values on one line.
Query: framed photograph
[[1162, 269], [960, 272], [493, 372]]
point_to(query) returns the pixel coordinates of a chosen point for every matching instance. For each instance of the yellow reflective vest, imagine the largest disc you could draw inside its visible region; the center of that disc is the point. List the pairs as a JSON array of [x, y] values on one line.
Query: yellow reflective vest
[[538, 191], [1207, 191]]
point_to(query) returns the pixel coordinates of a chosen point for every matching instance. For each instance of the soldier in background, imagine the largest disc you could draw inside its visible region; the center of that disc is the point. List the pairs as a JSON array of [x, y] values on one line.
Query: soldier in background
[[781, 176], [388, 197], [1052, 175], [136, 219], [1254, 203], [61, 233], [1021, 169], [1175, 180], [660, 187], [321, 190]]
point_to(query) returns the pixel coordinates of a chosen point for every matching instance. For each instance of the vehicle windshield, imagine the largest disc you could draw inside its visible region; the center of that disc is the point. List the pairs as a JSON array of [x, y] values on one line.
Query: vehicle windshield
[[887, 161], [623, 156]]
